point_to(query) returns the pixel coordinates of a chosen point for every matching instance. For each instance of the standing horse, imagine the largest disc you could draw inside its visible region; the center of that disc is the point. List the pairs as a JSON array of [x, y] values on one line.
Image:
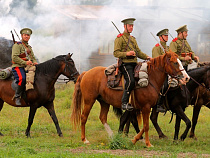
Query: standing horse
[[43, 93], [92, 86], [178, 100], [200, 97]]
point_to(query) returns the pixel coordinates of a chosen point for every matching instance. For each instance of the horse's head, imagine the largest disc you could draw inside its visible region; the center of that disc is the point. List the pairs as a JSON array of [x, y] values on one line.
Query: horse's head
[[174, 68], [69, 69]]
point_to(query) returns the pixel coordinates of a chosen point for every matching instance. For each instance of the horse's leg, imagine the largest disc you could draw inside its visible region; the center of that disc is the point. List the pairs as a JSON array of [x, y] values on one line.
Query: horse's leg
[[154, 118], [196, 111], [30, 119], [145, 113], [127, 126], [103, 117], [134, 121], [51, 111], [1, 106], [123, 120], [177, 127], [84, 116], [180, 113]]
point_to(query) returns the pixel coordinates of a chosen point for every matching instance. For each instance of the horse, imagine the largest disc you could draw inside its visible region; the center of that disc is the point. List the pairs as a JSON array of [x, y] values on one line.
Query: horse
[[43, 93], [200, 96], [92, 86], [178, 99]]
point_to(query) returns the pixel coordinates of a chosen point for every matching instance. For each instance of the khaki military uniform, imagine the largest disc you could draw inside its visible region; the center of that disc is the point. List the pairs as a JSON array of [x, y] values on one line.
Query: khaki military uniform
[[20, 55], [182, 48], [121, 48], [157, 50]]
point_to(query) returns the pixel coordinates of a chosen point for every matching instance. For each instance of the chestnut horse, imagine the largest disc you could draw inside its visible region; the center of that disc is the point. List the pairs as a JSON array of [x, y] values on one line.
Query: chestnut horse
[[178, 100], [43, 93], [92, 86]]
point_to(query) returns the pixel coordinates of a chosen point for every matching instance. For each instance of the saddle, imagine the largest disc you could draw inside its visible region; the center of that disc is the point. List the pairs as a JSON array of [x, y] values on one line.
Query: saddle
[[30, 73], [115, 80]]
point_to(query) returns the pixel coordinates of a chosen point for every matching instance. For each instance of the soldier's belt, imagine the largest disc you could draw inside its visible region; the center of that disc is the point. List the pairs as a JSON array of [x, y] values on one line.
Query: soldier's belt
[[186, 54], [25, 59]]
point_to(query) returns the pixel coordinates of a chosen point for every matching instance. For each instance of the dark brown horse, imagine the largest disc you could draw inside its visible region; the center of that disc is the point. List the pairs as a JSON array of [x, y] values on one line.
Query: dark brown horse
[[92, 86], [200, 97], [43, 93]]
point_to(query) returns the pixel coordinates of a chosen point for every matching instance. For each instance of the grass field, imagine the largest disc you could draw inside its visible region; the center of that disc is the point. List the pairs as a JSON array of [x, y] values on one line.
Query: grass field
[[44, 141]]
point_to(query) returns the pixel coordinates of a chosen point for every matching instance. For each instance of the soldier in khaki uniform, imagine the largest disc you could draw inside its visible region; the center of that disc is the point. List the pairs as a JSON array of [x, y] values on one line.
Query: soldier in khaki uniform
[[127, 50], [22, 55], [157, 51], [180, 46]]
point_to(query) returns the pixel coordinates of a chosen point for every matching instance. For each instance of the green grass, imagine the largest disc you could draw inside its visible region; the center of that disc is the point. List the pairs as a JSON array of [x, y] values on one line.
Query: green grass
[[44, 141]]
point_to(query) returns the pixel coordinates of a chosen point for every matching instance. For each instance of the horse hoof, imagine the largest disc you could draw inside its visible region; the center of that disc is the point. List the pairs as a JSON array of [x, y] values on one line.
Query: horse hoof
[[150, 146], [60, 135], [163, 137], [1, 134], [86, 142], [133, 141]]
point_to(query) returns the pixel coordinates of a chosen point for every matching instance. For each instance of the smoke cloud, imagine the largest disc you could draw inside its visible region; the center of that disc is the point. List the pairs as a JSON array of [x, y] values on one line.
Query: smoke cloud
[[84, 31]]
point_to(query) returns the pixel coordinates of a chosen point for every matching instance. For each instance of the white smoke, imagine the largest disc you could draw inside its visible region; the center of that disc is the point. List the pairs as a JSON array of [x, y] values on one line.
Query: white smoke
[[55, 31]]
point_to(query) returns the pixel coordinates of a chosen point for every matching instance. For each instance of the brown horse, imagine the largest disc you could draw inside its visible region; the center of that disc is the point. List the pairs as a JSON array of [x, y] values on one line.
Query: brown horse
[[43, 93], [92, 86]]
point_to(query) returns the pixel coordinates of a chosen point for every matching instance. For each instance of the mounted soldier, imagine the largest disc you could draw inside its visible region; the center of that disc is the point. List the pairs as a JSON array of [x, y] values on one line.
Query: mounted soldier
[[22, 55], [180, 46], [159, 49], [127, 50]]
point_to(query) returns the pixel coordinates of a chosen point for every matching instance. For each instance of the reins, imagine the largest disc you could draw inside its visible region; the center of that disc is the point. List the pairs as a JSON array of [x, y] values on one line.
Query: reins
[[199, 84]]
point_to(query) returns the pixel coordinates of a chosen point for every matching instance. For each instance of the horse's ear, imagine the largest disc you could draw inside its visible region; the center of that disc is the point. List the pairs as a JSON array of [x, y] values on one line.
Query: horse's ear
[[68, 56]]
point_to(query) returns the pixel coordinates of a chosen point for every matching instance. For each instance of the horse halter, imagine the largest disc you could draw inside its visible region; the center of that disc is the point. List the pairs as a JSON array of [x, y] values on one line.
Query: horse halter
[[67, 67]]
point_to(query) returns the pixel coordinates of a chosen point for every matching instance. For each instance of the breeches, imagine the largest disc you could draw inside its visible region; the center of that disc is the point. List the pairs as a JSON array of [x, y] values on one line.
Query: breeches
[[20, 75], [127, 70]]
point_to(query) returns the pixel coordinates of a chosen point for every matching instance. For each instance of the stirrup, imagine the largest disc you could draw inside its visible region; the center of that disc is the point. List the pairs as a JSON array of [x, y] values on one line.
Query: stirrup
[[17, 101], [127, 106]]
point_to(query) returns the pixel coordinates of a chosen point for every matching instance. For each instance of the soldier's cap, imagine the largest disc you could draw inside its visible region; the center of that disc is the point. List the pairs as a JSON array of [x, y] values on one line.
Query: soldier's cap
[[26, 31], [128, 21], [182, 29], [163, 32]]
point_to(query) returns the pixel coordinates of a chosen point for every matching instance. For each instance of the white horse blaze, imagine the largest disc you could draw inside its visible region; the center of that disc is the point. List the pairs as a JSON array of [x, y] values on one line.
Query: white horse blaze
[[186, 76]]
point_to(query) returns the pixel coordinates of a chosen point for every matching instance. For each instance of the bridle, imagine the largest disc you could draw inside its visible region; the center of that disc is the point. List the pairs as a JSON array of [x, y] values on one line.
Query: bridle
[[67, 68]]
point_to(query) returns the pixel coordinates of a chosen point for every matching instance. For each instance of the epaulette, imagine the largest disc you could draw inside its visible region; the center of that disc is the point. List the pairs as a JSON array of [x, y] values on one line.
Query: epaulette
[[133, 36], [120, 35], [175, 39], [157, 45], [19, 42]]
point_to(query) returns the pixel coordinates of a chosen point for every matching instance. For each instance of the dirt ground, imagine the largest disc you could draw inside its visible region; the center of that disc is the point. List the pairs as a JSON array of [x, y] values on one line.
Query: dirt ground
[[143, 153]]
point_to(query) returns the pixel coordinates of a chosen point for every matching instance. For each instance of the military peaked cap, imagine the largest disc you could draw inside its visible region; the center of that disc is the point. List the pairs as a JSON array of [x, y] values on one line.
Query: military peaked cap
[[128, 21], [163, 32], [182, 29], [26, 31]]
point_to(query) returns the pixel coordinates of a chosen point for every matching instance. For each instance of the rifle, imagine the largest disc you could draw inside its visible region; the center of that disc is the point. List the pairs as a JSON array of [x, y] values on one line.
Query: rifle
[[17, 35], [158, 42], [13, 38]]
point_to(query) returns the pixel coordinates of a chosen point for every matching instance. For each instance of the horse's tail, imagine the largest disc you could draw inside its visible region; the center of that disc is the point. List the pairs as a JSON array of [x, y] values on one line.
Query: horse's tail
[[117, 111], [77, 102]]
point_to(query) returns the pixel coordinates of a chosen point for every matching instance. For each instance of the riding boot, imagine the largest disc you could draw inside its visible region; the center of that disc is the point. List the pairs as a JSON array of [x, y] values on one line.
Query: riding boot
[[160, 105], [125, 105], [18, 94]]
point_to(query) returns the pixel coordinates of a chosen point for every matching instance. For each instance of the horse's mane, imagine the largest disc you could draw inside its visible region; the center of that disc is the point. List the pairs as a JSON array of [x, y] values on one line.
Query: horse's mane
[[50, 66], [159, 61]]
